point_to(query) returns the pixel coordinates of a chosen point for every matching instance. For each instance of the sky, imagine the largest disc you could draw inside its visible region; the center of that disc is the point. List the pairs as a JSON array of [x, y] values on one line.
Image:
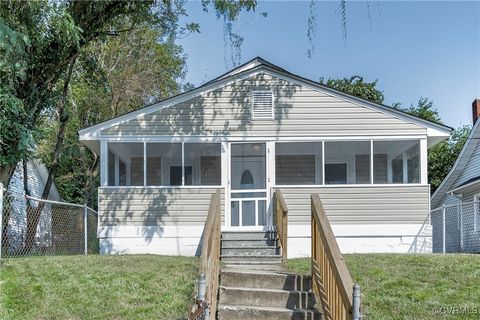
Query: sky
[[414, 49]]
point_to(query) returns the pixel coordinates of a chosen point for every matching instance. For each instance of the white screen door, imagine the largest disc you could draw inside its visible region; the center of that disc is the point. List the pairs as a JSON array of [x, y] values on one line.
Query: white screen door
[[248, 185]]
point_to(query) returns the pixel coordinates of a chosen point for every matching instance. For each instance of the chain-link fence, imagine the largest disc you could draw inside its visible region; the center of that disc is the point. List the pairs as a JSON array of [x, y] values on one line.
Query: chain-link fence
[[36, 227], [456, 228]]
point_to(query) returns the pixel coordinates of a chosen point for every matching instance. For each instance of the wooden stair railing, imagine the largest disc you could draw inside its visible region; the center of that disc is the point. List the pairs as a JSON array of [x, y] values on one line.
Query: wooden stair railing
[[331, 280], [281, 222], [209, 268]]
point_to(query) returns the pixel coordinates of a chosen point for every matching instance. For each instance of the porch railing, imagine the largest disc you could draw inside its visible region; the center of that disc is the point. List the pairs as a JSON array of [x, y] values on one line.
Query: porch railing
[[206, 304], [281, 222], [331, 280]]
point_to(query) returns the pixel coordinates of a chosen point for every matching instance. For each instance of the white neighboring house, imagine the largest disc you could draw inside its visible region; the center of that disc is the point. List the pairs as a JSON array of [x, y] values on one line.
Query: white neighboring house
[[17, 206], [459, 192], [37, 177], [247, 132]]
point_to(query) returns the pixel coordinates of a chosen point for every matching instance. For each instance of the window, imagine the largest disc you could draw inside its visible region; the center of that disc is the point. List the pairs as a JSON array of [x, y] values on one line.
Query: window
[[298, 163], [262, 104], [125, 164], [336, 173], [111, 168], [205, 161], [162, 166], [347, 162], [122, 173], [161, 157], [396, 161], [176, 176]]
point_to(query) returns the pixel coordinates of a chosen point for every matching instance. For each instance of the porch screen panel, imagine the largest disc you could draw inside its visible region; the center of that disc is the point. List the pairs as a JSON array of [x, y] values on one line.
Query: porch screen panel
[[163, 159], [125, 164], [298, 163], [396, 161], [347, 162], [111, 168], [205, 161]]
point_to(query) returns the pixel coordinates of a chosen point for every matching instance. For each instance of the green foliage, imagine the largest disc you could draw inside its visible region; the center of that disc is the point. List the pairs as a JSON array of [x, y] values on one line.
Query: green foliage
[[424, 110], [442, 156], [356, 86], [113, 77], [15, 138]]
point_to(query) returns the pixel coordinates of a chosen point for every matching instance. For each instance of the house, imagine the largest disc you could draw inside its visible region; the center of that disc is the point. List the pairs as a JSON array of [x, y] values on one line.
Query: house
[[458, 198], [253, 129], [15, 229]]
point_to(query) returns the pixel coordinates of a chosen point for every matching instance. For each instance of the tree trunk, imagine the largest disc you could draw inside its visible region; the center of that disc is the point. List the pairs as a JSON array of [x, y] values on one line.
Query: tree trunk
[[90, 183], [33, 216], [6, 174]]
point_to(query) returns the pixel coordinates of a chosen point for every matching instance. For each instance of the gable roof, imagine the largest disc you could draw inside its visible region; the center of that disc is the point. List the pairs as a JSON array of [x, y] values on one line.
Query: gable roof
[[247, 69], [448, 183]]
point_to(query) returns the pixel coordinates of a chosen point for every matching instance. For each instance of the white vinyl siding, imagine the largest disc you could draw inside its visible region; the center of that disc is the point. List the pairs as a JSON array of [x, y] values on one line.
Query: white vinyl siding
[[262, 104], [298, 111], [152, 207], [360, 205]]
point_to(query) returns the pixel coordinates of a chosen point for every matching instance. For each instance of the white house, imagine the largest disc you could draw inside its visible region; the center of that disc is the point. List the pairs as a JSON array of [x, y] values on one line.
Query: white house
[[459, 193], [16, 227], [253, 129]]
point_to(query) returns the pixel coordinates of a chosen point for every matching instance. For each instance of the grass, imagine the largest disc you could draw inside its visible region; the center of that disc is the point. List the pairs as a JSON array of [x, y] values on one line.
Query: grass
[[400, 286], [97, 287]]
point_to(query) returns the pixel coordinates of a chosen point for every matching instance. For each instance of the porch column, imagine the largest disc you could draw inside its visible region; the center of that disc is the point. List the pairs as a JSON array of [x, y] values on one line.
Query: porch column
[[103, 163], [423, 161]]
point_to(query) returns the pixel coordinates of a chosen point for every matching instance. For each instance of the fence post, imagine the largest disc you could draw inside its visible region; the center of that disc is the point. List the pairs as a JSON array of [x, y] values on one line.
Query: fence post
[[443, 226], [85, 229], [1, 219], [356, 303]]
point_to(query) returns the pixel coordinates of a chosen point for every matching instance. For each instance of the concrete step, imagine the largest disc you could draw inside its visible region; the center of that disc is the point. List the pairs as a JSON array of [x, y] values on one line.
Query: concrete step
[[267, 280], [229, 312], [251, 251], [251, 259], [248, 235], [249, 243], [254, 267], [266, 298]]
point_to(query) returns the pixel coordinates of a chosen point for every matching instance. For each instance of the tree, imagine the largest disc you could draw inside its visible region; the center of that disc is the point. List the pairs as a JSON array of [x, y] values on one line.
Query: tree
[[47, 40], [442, 156], [356, 86], [49, 36], [122, 74], [424, 110]]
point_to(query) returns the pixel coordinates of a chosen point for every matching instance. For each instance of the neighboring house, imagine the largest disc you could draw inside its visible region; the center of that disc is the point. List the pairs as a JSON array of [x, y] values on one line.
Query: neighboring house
[[247, 132], [15, 204], [459, 192], [37, 177]]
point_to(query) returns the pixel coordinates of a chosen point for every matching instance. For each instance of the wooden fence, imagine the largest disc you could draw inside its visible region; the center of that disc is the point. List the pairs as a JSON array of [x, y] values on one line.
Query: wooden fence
[[331, 280], [281, 223], [210, 260]]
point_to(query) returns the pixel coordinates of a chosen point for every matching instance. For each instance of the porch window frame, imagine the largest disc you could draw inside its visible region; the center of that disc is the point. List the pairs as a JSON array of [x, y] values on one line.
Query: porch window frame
[[272, 140]]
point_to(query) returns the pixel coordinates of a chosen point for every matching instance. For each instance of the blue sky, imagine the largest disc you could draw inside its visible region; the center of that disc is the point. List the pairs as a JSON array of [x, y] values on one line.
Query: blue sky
[[414, 49]]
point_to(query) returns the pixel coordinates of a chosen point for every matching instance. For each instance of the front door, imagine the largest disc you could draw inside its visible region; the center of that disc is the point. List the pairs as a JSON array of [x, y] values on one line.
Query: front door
[[248, 186]]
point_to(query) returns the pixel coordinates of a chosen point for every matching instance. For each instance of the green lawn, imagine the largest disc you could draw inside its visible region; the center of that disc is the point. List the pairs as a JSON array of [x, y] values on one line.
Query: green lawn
[[396, 286], [97, 287]]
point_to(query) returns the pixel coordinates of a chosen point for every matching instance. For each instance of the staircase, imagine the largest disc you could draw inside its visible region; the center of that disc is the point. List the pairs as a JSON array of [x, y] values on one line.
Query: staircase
[[253, 284]]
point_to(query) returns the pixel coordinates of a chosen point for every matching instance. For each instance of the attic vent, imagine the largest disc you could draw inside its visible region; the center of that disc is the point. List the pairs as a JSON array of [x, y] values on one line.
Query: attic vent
[[262, 104]]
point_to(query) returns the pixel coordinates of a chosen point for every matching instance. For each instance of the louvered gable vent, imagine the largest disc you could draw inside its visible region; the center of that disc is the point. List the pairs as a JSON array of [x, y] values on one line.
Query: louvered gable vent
[[262, 104]]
